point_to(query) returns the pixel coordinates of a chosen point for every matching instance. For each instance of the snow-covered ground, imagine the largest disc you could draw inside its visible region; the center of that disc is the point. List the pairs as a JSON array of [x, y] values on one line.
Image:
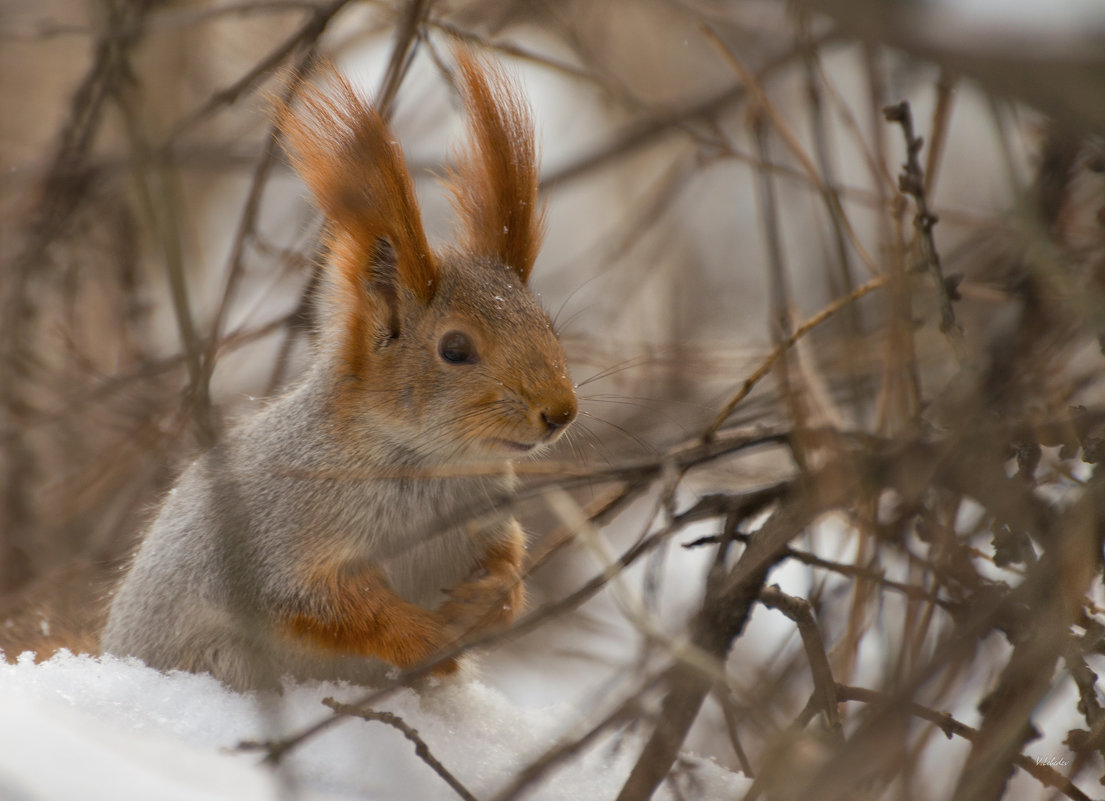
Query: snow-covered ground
[[78, 727]]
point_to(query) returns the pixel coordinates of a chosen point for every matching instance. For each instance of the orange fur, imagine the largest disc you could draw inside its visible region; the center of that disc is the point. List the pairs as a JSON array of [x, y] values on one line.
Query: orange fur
[[346, 153], [411, 407], [363, 311], [495, 185], [358, 613], [492, 600]]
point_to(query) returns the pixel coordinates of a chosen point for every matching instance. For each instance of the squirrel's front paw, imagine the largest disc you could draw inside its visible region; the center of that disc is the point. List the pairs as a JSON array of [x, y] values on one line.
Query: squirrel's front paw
[[486, 604]]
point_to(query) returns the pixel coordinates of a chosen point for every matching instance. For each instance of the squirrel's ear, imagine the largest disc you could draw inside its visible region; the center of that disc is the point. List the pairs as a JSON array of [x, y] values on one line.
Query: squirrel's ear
[[495, 184], [347, 155]]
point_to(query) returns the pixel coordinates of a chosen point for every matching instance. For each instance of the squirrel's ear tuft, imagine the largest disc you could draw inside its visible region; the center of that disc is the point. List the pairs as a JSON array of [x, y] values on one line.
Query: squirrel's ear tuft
[[495, 184], [347, 155]]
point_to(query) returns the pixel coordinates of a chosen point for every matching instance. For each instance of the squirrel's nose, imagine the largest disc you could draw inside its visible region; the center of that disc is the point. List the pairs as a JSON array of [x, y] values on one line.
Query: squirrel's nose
[[556, 416]]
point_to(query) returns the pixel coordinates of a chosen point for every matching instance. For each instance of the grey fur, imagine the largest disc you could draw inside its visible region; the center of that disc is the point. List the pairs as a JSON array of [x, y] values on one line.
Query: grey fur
[[199, 594], [344, 475]]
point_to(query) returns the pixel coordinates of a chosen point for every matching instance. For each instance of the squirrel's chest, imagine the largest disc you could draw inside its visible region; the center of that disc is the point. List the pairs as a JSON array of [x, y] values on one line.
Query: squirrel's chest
[[425, 537]]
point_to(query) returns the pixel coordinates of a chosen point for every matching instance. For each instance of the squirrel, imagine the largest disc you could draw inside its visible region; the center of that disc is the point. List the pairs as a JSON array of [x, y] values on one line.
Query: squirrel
[[329, 535]]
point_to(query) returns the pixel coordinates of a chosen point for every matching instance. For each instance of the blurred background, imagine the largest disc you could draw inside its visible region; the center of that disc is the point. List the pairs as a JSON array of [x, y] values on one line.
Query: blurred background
[[744, 247]]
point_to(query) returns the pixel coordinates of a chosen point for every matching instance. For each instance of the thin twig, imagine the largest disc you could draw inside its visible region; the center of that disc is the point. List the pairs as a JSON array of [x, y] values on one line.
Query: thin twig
[[798, 610], [722, 694], [165, 19], [843, 260], [1085, 680], [647, 131], [528, 623], [305, 36], [720, 621], [247, 221], [871, 574], [911, 181], [1045, 774], [765, 366], [421, 749], [558, 754], [158, 200], [832, 198], [518, 52]]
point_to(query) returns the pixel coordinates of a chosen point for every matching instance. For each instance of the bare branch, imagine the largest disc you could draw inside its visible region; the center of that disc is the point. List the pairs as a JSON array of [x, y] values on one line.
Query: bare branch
[[421, 749]]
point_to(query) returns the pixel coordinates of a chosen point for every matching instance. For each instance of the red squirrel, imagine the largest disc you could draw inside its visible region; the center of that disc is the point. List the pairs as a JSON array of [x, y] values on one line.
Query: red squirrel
[[327, 535]]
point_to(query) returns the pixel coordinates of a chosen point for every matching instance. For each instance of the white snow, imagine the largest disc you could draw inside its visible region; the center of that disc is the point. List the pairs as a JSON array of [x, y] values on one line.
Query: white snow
[[79, 727]]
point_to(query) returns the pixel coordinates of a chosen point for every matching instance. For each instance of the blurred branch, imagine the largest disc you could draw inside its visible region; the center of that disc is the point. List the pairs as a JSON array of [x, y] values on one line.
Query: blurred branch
[[1059, 78], [1071, 557], [819, 128], [765, 366], [247, 222], [1045, 774], [1085, 680], [646, 132], [147, 372], [818, 179], [63, 189], [729, 599], [158, 200], [402, 51], [941, 120], [518, 52], [162, 19], [305, 37], [868, 573]]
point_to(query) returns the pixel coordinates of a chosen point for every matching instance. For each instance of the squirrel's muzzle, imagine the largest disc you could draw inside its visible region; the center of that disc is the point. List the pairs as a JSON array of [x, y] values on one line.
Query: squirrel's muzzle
[[557, 415]]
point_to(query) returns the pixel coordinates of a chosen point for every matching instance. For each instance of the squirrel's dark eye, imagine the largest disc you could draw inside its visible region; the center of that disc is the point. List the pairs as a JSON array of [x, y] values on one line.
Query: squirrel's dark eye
[[456, 347]]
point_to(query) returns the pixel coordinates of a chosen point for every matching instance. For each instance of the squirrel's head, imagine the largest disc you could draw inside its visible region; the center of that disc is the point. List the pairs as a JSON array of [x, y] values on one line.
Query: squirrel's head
[[446, 356]]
